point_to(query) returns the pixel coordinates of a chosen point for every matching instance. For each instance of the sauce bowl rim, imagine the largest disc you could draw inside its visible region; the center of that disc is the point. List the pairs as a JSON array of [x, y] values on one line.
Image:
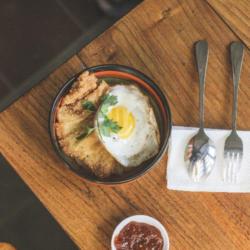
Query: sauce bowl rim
[[143, 219]]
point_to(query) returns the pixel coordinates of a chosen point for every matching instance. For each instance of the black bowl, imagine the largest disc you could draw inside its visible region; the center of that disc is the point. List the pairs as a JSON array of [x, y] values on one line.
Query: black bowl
[[115, 74]]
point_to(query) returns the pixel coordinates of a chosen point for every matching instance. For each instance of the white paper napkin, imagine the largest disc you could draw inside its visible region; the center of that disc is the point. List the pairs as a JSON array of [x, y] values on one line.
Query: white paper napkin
[[177, 176]]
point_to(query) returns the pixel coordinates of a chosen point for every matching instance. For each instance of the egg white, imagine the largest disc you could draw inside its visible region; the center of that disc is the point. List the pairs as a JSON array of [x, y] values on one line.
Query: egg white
[[144, 141]]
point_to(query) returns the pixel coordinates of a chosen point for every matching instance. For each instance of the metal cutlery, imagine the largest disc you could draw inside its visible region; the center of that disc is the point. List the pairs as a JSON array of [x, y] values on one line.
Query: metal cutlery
[[233, 149], [200, 152]]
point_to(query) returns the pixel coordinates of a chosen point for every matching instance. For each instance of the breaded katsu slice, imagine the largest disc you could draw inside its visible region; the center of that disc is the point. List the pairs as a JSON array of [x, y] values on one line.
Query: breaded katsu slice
[[72, 119], [91, 153], [84, 85], [66, 119], [94, 97]]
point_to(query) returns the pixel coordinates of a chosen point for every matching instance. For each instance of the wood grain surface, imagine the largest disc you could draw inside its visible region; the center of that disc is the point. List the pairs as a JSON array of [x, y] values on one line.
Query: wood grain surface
[[157, 38], [236, 14]]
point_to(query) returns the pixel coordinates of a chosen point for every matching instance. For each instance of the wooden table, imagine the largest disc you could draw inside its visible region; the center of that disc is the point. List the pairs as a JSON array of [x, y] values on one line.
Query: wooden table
[[157, 38]]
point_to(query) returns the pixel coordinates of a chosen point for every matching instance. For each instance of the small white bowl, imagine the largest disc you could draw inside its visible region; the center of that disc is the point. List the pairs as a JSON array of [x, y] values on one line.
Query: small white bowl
[[144, 219]]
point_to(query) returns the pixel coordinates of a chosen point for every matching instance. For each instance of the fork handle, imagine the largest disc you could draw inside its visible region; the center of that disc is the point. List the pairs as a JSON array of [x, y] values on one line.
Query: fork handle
[[236, 52]]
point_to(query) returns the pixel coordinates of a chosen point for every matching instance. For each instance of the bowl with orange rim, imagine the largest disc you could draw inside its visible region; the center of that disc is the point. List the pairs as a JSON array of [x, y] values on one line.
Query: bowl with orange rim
[[119, 74]]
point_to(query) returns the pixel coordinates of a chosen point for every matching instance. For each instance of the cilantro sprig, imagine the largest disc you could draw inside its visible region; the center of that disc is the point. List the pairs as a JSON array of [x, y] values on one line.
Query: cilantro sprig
[[108, 126], [88, 105], [107, 101]]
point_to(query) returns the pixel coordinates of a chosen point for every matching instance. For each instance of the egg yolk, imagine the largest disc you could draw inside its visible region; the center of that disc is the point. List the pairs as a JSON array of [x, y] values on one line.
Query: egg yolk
[[124, 119]]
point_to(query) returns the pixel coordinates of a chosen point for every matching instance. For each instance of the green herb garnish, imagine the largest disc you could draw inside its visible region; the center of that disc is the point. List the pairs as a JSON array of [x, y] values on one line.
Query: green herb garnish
[[108, 100], [86, 131], [109, 126], [88, 105]]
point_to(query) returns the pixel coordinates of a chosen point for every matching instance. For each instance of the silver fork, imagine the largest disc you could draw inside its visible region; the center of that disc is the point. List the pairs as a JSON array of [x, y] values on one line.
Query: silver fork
[[233, 149]]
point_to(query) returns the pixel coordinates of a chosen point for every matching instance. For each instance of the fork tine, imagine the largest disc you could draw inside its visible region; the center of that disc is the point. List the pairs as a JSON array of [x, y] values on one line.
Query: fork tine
[[238, 162], [231, 167], [225, 166], [236, 167], [228, 167]]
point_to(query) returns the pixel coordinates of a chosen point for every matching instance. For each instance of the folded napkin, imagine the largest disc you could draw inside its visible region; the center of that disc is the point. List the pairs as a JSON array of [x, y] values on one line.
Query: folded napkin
[[177, 175]]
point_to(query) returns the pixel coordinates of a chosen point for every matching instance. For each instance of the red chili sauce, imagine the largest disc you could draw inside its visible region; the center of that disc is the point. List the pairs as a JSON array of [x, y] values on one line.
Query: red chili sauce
[[138, 236]]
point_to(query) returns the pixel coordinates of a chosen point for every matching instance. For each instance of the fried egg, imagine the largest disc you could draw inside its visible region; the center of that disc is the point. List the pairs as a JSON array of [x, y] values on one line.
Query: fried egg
[[135, 137]]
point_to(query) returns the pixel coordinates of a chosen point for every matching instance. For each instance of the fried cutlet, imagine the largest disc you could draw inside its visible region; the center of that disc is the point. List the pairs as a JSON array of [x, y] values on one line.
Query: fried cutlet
[[71, 120], [84, 85], [70, 117]]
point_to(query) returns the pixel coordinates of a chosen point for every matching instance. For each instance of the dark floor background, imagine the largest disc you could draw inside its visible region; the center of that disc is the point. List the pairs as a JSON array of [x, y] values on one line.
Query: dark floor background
[[38, 36]]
